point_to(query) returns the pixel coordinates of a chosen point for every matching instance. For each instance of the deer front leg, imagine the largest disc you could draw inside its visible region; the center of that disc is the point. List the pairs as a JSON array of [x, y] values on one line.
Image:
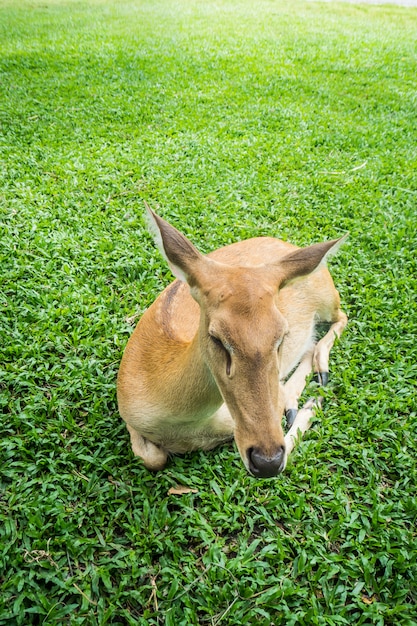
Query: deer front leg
[[316, 359], [323, 347], [153, 457], [301, 423], [295, 385], [319, 362]]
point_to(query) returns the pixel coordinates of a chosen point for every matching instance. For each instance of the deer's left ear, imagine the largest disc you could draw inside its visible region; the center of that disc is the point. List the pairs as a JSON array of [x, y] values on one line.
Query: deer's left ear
[[178, 251], [185, 261], [306, 260]]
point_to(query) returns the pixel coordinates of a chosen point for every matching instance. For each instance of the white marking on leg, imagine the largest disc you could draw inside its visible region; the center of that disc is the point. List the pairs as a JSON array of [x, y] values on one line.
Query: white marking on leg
[[295, 385], [323, 347], [301, 424]]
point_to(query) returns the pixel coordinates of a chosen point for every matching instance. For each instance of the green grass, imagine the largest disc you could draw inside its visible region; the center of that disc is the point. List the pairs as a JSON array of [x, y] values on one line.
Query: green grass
[[232, 119]]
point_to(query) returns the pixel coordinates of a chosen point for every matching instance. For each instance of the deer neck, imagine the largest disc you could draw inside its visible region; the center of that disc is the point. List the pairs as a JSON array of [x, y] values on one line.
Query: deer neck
[[199, 386], [192, 390]]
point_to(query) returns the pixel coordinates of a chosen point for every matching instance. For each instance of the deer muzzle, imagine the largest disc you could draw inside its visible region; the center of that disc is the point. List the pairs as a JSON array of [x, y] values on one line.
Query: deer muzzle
[[263, 465]]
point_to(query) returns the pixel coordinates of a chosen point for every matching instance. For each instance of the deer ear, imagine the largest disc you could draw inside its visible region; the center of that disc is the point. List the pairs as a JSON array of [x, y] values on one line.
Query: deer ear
[[182, 257], [307, 260]]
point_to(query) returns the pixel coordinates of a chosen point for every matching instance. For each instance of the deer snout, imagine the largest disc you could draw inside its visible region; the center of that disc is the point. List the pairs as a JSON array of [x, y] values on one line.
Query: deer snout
[[264, 465]]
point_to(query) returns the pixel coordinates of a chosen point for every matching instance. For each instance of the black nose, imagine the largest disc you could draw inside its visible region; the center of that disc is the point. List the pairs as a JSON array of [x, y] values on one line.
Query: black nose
[[266, 466]]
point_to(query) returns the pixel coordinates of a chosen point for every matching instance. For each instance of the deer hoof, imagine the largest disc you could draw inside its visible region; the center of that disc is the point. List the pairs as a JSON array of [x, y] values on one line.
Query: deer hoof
[[322, 378], [290, 415]]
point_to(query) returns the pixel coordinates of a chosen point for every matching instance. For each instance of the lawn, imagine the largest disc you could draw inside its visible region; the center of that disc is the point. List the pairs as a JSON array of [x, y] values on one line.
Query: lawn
[[233, 119]]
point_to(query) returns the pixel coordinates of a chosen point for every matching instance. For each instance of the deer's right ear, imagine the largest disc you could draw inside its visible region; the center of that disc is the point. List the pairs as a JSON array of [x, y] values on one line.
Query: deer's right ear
[[307, 260], [182, 257]]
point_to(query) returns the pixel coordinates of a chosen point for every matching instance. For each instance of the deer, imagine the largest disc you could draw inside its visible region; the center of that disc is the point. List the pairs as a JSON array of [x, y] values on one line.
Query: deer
[[224, 352]]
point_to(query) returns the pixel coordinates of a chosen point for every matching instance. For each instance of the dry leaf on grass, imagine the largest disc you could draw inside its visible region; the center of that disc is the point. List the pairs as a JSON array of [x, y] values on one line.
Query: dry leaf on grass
[[180, 490], [368, 600]]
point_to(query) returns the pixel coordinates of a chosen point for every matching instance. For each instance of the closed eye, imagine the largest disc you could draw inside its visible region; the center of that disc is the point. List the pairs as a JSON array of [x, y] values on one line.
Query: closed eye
[[217, 342]]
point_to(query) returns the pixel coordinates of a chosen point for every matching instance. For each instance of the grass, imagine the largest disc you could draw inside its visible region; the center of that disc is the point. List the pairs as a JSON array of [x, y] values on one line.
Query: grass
[[233, 119]]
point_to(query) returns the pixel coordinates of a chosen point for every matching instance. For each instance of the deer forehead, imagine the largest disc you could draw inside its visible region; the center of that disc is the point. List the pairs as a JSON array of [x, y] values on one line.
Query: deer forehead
[[241, 288], [241, 301], [242, 316]]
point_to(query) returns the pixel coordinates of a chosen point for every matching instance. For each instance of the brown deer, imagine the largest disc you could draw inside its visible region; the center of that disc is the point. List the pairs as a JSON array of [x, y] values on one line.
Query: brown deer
[[225, 350]]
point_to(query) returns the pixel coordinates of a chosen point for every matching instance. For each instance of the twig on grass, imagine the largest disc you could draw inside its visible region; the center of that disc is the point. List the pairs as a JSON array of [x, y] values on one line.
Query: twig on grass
[[36, 556], [84, 595], [153, 597]]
